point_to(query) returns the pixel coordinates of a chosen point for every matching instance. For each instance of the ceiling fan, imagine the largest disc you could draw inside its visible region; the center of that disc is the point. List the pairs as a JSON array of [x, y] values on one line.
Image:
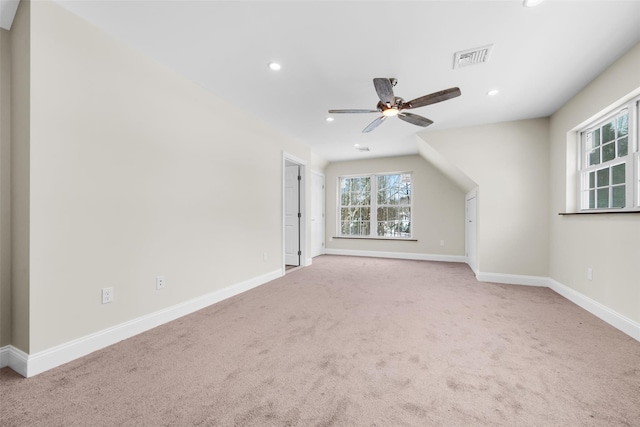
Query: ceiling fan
[[391, 105]]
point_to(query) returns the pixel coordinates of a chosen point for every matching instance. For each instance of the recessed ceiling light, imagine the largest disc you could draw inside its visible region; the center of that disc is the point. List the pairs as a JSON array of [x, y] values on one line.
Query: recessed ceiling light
[[329, 119], [531, 3], [356, 145], [493, 92], [274, 66]]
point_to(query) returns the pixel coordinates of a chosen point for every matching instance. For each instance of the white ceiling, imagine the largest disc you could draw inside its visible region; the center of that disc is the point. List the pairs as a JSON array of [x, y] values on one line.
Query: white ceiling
[[331, 50]]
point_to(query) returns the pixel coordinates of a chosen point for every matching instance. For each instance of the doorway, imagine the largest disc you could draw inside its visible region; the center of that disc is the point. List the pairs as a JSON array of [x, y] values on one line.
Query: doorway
[[293, 212], [317, 214], [471, 230]]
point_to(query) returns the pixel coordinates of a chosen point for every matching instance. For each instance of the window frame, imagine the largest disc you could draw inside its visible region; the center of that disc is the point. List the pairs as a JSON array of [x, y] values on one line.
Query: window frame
[[373, 205], [631, 160]]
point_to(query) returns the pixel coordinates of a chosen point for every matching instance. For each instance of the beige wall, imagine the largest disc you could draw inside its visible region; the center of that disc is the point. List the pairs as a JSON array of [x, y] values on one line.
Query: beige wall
[[20, 154], [509, 163], [5, 188], [610, 243], [438, 208], [137, 172]]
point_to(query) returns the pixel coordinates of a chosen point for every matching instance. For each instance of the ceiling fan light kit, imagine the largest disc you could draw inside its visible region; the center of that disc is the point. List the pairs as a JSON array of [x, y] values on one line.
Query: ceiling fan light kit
[[391, 105]]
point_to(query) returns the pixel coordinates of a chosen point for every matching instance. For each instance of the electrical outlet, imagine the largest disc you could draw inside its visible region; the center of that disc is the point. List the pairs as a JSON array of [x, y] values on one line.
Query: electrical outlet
[[160, 282], [107, 295], [589, 273]]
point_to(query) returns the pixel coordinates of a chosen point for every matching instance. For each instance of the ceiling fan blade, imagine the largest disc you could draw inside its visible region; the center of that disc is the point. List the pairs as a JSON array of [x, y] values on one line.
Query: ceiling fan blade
[[352, 111], [432, 98], [374, 124], [384, 88], [415, 119]]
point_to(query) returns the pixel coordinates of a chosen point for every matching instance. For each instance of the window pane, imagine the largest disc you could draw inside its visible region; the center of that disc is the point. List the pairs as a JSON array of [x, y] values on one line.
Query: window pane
[[594, 157], [617, 199], [623, 147], [592, 180], [360, 198], [603, 178], [595, 138], [608, 152], [608, 132], [623, 125], [365, 228], [365, 214], [404, 213], [344, 227], [382, 214], [618, 174], [592, 199], [603, 197], [392, 213], [405, 228], [344, 214]]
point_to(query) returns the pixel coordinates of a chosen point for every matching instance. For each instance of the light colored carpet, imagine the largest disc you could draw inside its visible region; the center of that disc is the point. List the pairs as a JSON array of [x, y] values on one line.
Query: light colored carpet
[[352, 342]]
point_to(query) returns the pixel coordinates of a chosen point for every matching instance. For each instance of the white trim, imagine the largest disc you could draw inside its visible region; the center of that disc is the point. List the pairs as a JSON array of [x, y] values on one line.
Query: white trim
[[64, 353], [303, 206], [4, 356], [294, 159], [512, 279], [30, 365], [14, 358], [396, 255], [615, 319]]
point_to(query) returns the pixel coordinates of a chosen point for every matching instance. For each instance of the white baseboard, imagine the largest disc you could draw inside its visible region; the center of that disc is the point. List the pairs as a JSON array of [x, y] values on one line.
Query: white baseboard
[[615, 319], [512, 279], [14, 358], [30, 365], [33, 364], [396, 255]]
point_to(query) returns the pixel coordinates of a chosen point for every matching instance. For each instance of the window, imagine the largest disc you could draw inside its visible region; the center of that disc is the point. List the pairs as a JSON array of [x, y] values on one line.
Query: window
[[609, 161], [375, 205]]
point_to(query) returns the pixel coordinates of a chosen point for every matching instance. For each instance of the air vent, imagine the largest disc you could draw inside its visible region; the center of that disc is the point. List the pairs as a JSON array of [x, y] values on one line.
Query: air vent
[[478, 55], [362, 149]]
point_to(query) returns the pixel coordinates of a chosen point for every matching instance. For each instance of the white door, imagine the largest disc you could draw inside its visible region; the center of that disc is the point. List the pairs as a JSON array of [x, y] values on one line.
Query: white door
[[291, 214], [317, 214], [471, 236]]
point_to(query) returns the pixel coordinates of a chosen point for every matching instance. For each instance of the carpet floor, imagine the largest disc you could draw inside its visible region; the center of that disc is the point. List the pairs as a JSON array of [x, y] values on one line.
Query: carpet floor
[[352, 341]]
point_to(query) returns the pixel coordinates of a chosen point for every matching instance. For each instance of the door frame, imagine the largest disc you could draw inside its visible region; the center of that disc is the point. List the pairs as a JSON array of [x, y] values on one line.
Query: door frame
[[286, 157], [323, 205]]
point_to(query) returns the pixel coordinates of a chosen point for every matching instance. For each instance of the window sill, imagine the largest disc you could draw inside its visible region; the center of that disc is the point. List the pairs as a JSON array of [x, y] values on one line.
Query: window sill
[[406, 239], [598, 212]]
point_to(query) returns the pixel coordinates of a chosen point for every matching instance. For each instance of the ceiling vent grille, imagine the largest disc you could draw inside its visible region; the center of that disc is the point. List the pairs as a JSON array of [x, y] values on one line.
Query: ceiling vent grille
[[478, 55], [362, 149]]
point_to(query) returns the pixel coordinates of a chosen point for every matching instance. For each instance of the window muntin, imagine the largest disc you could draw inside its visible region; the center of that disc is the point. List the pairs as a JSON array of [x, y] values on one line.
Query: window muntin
[[608, 161], [377, 205]]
